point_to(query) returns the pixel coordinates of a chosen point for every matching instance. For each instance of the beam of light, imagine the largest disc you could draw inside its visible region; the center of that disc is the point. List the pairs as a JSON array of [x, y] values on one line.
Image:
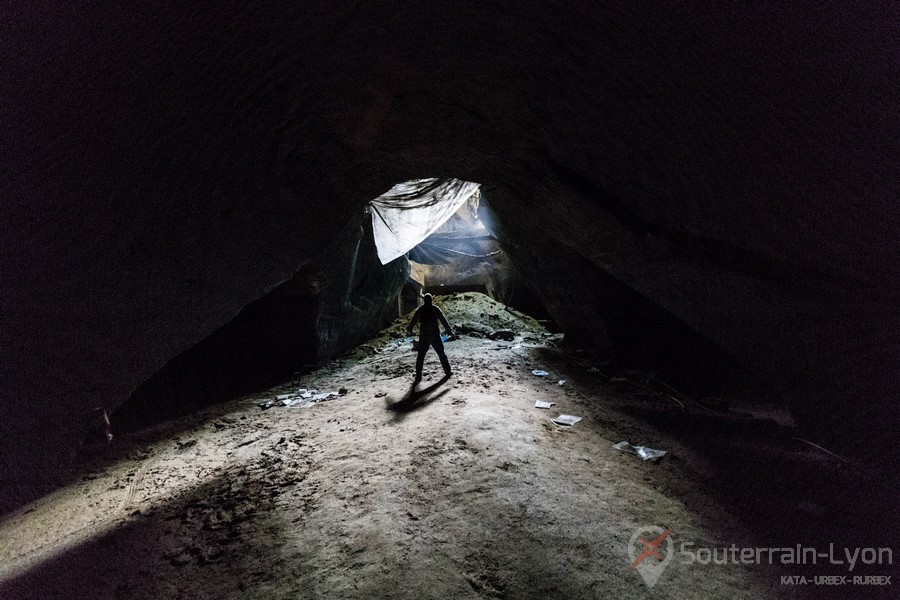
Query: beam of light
[[89, 509]]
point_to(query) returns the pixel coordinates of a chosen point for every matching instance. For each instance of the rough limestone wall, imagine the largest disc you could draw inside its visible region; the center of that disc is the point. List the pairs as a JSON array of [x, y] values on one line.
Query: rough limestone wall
[[606, 317], [362, 298], [822, 341], [159, 160], [264, 344], [279, 334]]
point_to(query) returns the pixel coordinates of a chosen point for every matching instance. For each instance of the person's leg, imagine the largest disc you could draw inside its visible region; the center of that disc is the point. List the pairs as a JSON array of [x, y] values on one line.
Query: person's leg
[[438, 346], [420, 358]]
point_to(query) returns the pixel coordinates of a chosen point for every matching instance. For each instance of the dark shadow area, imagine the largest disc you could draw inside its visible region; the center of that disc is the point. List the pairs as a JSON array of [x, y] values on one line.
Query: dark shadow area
[[610, 320], [787, 492], [95, 455], [690, 191], [415, 399], [780, 487], [723, 254], [220, 538], [266, 342], [330, 305]]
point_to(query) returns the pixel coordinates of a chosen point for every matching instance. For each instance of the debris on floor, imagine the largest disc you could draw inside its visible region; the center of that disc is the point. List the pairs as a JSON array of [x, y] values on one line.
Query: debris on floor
[[398, 343], [506, 335], [642, 451], [478, 329], [566, 420], [292, 401], [540, 373], [561, 382], [302, 397], [237, 505]]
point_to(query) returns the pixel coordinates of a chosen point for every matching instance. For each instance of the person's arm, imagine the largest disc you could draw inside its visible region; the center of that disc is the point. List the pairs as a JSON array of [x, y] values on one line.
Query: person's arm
[[444, 322], [412, 323]]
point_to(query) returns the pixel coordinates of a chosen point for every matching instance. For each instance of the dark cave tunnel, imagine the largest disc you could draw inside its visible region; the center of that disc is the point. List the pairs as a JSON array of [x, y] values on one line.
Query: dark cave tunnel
[[346, 296], [703, 192]]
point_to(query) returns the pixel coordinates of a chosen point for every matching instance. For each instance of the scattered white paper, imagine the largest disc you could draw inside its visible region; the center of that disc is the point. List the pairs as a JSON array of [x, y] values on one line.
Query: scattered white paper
[[642, 451], [303, 398], [562, 381], [292, 401], [542, 404], [540, 373], [566, 420]]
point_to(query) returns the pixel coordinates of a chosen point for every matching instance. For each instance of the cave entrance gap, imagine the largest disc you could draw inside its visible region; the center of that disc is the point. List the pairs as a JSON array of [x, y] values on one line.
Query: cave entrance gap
[[444, 228]]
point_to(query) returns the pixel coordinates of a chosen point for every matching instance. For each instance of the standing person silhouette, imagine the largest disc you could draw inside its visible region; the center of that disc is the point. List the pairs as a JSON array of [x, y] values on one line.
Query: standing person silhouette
[[427, 316]]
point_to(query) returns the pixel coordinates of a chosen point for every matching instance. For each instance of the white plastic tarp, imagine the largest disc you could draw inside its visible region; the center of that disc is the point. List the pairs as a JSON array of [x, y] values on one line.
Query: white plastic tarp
[[409, 212]]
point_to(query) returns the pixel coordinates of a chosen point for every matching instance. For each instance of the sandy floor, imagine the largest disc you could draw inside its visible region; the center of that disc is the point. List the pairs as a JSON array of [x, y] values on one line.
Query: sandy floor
[[461, 489]]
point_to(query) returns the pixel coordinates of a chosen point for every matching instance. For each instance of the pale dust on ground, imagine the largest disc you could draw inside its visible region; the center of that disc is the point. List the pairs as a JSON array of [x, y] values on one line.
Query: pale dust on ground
[[464, 490]]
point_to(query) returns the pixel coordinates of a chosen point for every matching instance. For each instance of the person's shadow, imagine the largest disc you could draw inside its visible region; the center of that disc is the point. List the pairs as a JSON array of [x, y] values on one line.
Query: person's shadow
[[415, 399]]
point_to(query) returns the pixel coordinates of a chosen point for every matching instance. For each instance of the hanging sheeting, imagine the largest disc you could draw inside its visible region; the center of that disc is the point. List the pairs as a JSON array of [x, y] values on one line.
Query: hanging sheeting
[[411, 211]]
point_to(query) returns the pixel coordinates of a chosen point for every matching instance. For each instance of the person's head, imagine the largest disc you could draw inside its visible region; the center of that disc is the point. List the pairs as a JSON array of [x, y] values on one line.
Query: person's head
[[427, 298]]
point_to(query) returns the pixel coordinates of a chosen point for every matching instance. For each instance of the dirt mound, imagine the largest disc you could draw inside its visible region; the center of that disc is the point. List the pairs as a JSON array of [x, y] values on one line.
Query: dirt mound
[[473, 307], [469, 313]]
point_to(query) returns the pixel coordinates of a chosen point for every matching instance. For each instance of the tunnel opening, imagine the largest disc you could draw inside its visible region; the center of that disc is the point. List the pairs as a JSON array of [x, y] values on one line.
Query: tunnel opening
[[680, 186], [439, 236], [461, 251], [434, 224], [333, 302], [461, 255], [424, 235]]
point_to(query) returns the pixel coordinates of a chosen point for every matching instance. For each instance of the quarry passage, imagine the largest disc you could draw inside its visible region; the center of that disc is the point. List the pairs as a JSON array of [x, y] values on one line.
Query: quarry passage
[[465, 490], [700, 201], [461, 490]]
